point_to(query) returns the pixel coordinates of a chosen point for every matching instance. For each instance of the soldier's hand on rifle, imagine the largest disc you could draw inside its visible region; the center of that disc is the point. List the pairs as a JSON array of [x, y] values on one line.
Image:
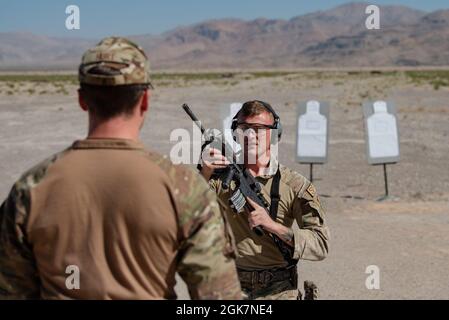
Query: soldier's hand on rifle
[[212, 159], [259, 217]]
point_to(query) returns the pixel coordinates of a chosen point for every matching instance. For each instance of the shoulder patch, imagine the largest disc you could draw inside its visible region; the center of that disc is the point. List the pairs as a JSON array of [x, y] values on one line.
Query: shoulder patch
[[311, 190], [294, 180]]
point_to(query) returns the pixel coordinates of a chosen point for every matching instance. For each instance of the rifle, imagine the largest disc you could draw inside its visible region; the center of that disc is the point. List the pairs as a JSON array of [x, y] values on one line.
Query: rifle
[[247, 185]]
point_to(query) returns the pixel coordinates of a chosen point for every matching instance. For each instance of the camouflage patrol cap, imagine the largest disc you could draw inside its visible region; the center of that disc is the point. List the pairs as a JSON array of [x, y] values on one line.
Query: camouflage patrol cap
[[115, 61]]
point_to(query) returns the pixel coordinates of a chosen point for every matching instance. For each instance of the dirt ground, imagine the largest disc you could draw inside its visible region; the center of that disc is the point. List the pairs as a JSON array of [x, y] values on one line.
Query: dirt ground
[[406, 237]]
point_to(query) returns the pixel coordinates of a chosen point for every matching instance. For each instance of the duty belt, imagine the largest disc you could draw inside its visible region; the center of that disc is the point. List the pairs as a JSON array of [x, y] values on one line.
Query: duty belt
[[263, 278]]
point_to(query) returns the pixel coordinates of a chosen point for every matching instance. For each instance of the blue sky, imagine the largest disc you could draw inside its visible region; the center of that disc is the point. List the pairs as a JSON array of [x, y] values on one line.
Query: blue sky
[[104, 17]]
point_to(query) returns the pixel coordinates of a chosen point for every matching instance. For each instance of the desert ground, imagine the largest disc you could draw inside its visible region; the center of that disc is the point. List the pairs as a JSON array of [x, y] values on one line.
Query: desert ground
[[407, 237]]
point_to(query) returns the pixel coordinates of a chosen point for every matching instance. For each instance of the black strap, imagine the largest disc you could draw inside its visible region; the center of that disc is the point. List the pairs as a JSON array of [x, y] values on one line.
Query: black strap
[[275, 197]]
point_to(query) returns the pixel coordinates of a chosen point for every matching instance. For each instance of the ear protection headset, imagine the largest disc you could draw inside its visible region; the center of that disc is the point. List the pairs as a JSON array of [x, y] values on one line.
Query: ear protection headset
[[277, 121]]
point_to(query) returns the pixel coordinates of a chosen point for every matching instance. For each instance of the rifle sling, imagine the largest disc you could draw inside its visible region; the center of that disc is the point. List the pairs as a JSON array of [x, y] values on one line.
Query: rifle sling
[[275, 197]]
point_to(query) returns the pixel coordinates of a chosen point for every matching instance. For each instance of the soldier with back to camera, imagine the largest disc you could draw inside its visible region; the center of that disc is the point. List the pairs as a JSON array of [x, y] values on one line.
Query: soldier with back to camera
[[125, 217]]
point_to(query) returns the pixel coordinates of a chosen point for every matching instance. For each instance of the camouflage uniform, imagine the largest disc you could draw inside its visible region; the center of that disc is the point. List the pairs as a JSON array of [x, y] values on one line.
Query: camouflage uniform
[[127, 217], [259, 259]]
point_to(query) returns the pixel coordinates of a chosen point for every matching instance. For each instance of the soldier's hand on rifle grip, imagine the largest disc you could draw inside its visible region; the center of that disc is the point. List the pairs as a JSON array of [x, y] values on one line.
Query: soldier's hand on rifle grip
[[212, 159], [259, 218]]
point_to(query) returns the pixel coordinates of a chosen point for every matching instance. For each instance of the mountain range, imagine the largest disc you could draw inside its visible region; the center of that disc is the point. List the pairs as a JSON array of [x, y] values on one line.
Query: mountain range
[[333, 38]]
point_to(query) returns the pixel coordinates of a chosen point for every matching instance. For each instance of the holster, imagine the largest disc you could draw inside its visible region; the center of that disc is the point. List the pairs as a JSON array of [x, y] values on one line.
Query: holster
[[310, 291]]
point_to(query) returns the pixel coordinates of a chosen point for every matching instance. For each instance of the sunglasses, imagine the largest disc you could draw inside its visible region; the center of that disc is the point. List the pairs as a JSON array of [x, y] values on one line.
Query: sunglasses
[[255, 126]]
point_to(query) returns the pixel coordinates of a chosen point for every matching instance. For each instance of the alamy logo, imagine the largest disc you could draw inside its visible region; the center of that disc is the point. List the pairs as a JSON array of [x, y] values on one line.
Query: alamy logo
[[73, 20], [72, 282], [373, 280], [187, 148], [373, 20]]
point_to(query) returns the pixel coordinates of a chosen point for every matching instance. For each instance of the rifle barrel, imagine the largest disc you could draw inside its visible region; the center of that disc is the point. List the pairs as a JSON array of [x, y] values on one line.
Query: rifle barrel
[[193, 117]]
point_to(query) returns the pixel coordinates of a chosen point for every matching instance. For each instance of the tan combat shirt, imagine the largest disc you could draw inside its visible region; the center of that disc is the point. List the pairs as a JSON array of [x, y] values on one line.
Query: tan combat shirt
[[299, 202], [126, 217]]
